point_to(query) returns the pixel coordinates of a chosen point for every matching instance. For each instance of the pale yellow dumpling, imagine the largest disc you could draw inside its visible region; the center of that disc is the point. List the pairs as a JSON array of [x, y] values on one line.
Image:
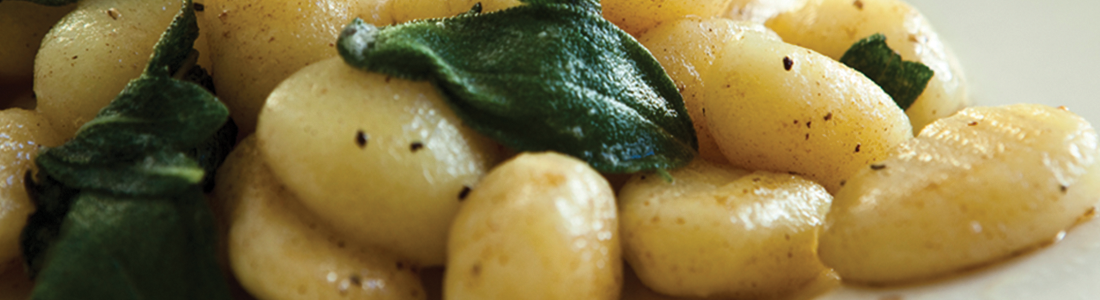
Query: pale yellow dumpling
[[279, 251], [92, 53], [637, 16], [23, 24], [541, 226], [783, 108], [686, 49], [719, 231], [255, 44], [384, 160], [832, 26], [22, 132], [973, 188]]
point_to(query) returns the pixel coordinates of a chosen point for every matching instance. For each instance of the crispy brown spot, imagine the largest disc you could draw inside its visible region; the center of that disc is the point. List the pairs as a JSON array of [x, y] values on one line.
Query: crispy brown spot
[[858, 4], [878, 167], [973, 123]]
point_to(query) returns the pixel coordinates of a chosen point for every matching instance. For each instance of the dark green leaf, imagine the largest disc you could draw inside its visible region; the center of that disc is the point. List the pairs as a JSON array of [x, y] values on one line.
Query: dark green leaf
[[549, 75], [52, 201], [212, 153], [159, 173], [129, 248], [140, 120], [902, 80], [120, 211]]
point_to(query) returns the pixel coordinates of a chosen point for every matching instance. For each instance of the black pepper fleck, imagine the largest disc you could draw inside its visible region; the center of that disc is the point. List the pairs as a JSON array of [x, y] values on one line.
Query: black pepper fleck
[[828, 116], [857, 147], [361, 139], [878, 167], [788, 63], [843, 182], [1064, 189], [808, 123], [355, 279], [464, 193], [416, 146], [199, 7]]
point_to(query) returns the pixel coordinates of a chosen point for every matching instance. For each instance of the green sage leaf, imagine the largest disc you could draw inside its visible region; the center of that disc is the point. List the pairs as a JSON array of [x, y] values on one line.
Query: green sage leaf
[[547, 75], [902, 80], [120, 211]]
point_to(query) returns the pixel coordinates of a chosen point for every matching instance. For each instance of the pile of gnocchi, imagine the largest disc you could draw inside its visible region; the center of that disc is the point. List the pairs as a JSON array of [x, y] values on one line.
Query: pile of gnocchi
[[347, 184]]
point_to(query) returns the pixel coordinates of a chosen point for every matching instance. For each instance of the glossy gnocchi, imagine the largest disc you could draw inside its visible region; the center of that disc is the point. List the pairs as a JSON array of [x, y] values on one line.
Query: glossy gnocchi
[[783, 108], [22, 132], [92, 53], [832, 26], [277, 250], [973, 188], [718, 231], [381, 159], [539, 226]]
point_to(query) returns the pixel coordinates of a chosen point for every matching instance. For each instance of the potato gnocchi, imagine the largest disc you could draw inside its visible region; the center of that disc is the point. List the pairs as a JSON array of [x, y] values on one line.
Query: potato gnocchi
[[351, 181], [277, 250], [379, 158], [21, 133], [535, 224], [831, 26], [718, 231], [783, 108], [979, 186], [96, 49]]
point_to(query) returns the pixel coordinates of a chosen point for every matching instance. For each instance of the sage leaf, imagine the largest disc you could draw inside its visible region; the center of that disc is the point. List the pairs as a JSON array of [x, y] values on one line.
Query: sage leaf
[[113, 247], [119, 208], [902, 80], [547, 75]]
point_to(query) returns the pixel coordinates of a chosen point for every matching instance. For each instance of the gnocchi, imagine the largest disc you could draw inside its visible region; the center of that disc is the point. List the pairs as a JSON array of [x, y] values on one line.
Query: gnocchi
[[536, 224], [21, 133], [687, 49], [381, 159], [717, 231], [972, 188], [831, 26], [92, 53], [254, 44], [352, 181], [783, 108], [279, 251]]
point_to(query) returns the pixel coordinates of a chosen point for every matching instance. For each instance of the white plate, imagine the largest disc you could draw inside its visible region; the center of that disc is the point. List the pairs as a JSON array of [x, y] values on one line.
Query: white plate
[[1045, 52]]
